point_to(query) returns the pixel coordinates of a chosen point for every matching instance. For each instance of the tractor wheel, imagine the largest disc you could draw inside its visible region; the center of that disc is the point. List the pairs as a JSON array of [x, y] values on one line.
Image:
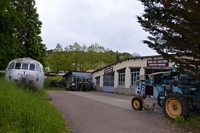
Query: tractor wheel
[[175, 105], [159, 100], [137, 103]]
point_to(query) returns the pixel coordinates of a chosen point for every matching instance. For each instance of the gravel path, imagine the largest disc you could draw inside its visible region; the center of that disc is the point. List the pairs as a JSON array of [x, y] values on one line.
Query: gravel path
[[99, 112]]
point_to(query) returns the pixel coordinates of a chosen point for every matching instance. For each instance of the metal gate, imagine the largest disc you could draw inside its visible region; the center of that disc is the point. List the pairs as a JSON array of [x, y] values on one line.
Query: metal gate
[[108, 83]]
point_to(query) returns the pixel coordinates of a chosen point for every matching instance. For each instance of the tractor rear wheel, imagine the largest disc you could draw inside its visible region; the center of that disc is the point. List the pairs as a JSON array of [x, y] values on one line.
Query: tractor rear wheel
[[137, 103], [175, 105]]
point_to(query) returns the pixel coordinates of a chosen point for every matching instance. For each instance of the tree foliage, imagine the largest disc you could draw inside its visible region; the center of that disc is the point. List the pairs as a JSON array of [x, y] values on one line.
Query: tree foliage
[[29, 31], [135, 54], [174, 26], [20, 30], [124, 55], [80, 58], [8, 41]]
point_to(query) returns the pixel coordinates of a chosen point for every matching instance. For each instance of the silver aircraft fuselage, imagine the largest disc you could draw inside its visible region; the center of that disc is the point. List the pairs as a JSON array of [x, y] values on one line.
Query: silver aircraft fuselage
[[25, 71]]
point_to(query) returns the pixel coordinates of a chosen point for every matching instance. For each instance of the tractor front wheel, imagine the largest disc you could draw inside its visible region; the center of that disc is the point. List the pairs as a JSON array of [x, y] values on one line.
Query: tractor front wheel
[[175, 105], [137, 103]]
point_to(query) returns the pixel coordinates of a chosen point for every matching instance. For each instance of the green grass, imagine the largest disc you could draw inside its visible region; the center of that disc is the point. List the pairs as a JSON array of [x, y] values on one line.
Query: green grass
[[26, 111], [190, 125]]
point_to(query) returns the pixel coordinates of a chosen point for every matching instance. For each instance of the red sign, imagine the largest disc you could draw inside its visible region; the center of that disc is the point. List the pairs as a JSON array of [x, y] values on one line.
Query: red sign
[[158, 63]]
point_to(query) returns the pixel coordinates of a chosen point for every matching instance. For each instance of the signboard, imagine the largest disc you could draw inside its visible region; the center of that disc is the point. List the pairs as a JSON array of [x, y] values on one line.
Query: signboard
[[108, 70], [158, 63]]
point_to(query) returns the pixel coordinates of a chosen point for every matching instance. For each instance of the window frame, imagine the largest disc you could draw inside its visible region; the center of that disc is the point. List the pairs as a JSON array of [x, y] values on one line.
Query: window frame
[[121, 77]]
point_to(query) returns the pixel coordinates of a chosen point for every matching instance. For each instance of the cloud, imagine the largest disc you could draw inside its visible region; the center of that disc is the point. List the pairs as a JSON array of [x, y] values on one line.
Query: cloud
[[110, 23]]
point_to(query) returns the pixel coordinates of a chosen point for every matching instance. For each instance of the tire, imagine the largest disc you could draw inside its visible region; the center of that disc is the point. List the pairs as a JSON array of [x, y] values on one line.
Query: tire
[[137, 103], [175, 105]]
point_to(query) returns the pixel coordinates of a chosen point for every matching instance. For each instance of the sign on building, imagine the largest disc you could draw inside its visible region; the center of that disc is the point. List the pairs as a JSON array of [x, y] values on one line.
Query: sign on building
[[108, 70], [158, 63]]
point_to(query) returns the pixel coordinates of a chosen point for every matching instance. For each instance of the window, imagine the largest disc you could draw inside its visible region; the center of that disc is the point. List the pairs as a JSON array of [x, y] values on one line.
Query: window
[[108, 80], [38, 68], [135, 76], [121, 77], [17, 65], [25, 66], [11, 65], [32, 67], [97, 80]]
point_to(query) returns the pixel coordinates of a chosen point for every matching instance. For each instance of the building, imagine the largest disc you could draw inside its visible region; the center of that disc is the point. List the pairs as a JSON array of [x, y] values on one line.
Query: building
[[74, 77], [125, 76]]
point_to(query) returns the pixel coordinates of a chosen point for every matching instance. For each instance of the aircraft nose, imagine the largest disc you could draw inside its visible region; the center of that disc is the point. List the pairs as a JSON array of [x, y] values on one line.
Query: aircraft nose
[[23, 80]]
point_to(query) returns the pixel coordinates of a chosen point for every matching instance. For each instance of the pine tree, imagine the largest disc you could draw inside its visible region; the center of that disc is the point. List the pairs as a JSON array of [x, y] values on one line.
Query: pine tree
[[174, 26]]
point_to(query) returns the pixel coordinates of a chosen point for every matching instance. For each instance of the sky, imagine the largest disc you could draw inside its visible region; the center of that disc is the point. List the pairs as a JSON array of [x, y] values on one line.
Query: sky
[[109, 23]]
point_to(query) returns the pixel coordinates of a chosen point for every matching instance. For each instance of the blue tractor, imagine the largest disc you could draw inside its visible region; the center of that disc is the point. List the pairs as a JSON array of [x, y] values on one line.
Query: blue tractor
[[178, 93]]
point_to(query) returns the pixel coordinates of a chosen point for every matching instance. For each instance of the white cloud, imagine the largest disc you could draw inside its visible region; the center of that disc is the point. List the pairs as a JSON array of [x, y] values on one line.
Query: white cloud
[[110, 23]]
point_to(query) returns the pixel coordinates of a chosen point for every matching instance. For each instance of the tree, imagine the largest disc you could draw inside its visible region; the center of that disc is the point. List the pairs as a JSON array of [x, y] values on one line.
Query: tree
[[29, 31], [174, 27], [124, 55], [19, 31], [9, 19], [135, 54], [56, 60], [117, 57], [3, 5]]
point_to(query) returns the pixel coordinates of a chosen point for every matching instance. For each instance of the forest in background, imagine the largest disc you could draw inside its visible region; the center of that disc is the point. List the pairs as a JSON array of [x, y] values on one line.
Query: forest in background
[[82, 58]]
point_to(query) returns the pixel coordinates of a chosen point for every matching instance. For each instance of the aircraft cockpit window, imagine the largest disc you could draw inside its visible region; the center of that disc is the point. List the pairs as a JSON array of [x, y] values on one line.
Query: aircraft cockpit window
[[25, 66], [37, 69], [11, 65], [32, 67], [17, 65]]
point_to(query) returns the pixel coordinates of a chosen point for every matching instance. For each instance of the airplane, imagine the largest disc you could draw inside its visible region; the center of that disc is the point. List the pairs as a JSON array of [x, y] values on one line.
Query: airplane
[[26, 71]]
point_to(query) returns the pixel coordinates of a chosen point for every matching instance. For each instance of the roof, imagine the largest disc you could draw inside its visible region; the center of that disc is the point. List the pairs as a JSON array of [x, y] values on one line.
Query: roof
[[90, 70], [129, 58]]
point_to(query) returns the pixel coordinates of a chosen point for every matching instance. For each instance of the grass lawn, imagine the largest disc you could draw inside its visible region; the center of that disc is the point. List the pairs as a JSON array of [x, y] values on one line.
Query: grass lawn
[[26, 111]]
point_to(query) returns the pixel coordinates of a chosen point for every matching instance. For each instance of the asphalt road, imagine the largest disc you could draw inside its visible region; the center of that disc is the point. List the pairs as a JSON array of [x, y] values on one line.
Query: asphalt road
[[100, 112]]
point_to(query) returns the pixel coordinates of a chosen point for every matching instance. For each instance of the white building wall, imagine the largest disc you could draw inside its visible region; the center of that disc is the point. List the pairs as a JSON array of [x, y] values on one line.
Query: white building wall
[[127, 78], [116, 78]]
